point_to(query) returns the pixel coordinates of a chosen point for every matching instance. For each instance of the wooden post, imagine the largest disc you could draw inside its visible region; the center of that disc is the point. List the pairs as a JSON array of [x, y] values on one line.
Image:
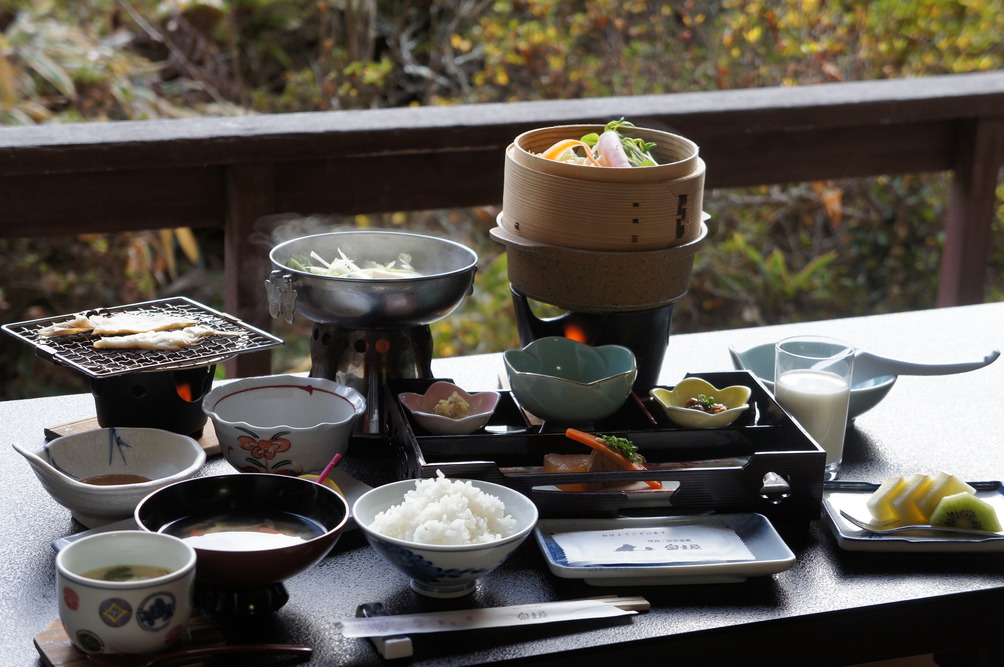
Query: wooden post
[[971, 209], [250, 196]]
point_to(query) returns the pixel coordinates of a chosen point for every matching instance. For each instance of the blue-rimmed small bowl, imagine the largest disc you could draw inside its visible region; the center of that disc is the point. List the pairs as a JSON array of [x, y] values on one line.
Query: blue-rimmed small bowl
[[565, 382], [444, 570]]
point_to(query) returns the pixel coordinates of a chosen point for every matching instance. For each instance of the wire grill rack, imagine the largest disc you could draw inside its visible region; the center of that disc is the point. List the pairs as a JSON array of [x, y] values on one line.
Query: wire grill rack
[[78, 352]]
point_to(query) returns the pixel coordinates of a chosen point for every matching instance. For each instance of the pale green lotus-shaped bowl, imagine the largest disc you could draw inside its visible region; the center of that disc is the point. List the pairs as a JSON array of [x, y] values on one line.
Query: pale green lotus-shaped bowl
[[673, 401], [565, 382]]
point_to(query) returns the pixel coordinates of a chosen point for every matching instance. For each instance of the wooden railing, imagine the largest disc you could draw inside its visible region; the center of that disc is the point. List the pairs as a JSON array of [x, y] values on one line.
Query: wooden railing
[[231, 172]]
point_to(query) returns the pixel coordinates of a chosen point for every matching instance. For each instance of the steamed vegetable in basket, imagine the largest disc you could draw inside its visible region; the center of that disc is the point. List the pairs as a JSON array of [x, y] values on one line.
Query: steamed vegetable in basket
[[608, 149]]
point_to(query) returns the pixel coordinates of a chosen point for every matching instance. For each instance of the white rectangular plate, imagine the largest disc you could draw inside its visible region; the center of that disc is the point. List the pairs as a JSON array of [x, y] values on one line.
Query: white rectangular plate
[[851, 498], [769, 552]]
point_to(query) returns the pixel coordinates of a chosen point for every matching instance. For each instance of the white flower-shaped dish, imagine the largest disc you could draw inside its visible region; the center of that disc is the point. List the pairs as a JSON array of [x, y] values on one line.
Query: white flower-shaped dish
[[735, 398], [481, 407]]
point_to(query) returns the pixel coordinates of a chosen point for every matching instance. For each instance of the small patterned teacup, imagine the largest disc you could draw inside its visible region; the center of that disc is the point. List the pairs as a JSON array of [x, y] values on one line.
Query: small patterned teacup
[[125, 591]]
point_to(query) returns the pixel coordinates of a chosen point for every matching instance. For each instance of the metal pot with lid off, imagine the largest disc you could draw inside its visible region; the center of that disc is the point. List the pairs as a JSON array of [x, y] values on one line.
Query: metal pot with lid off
[[372, 296]]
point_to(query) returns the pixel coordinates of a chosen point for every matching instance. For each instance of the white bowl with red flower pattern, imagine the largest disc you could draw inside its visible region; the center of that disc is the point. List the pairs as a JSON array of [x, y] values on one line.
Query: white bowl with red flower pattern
[[283, 424]]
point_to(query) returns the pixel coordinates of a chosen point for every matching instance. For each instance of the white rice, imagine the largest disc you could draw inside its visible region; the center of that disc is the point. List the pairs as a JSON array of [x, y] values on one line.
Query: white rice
[[445, 511]]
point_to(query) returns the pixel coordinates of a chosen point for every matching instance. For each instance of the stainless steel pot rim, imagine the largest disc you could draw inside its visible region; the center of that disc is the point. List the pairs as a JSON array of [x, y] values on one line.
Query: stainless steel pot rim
[[473, 257]]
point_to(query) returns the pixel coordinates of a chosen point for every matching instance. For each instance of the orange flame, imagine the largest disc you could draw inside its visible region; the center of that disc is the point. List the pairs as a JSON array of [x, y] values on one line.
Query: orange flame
[[575, 332]]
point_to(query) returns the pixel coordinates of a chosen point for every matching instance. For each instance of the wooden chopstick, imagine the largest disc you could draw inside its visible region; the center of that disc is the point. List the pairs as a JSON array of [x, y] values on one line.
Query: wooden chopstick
[[643, 407], [627, 603]]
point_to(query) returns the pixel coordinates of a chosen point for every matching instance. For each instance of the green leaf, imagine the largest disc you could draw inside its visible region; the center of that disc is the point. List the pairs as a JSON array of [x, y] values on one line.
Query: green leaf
[[255, 462], [46, 68]]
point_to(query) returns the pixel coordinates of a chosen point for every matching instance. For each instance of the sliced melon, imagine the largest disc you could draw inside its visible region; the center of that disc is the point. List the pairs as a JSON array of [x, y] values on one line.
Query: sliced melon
[[942, 485], [879, 504], [905, 503]]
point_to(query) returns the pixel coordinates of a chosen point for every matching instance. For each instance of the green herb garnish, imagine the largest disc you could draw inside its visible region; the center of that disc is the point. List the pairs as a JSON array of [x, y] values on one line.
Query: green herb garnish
[[626, 448], [706, 401]]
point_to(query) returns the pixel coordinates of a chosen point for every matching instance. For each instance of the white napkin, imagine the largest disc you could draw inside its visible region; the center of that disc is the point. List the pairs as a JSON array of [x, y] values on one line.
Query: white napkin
[[652, 545]]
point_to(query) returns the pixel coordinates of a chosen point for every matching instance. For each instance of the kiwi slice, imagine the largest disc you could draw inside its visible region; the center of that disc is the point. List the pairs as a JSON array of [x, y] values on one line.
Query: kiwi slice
[[964, 510]]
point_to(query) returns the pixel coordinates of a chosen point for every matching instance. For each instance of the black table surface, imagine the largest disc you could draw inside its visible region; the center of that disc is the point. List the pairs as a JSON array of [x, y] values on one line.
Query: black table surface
[[832, 607]]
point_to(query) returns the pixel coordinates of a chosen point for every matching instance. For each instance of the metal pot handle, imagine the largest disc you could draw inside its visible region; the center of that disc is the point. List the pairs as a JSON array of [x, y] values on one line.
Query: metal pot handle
[[281, 295]]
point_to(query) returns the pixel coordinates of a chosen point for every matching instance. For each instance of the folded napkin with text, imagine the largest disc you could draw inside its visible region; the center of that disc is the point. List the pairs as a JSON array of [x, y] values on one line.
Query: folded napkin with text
[[652, 545]]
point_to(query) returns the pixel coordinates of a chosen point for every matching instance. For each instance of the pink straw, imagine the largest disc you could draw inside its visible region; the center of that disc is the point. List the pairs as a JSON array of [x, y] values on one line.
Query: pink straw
[[328, 468]]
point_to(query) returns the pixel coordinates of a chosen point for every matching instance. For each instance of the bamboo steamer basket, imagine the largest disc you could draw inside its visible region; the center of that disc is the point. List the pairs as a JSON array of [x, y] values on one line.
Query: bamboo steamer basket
[[595, 281], [603, 208]]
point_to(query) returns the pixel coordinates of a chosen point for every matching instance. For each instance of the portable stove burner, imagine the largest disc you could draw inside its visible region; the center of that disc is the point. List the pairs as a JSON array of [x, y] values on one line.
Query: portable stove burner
[[366, 359], [644, 332], [144, 388], [169, 400]]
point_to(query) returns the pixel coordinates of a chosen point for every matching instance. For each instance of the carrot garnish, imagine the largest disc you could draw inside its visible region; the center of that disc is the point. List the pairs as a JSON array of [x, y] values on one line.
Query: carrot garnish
[[560, 147], [619, 450]]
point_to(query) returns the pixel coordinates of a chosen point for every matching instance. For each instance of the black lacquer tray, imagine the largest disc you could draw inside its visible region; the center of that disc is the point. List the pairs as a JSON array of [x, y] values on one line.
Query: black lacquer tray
[[764, 462]]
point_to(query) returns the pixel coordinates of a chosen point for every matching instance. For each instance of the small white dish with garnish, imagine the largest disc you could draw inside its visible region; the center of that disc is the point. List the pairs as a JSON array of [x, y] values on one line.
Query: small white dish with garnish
[[446, 409], [715, 408]]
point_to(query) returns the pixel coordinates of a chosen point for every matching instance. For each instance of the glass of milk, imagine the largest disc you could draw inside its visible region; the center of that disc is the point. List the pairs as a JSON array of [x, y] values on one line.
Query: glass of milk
[[812, 381]]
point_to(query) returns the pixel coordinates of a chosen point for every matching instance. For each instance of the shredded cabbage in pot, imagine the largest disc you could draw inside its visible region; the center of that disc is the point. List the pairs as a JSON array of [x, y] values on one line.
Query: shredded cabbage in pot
[[343, 267]]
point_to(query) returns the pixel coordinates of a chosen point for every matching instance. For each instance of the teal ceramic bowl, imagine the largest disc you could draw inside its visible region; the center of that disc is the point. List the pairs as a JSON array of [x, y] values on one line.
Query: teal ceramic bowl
[[866, 392], [565, 382]]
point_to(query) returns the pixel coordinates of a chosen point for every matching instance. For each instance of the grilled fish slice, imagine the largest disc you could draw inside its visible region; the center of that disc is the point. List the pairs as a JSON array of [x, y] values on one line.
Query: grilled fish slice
[[130, 323], [79, 324], [117, 323], [160, 341]]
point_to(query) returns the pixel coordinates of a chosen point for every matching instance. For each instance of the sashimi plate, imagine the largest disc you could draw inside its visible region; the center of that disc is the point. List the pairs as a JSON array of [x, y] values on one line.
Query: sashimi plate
[[663, 551], [851, 498]]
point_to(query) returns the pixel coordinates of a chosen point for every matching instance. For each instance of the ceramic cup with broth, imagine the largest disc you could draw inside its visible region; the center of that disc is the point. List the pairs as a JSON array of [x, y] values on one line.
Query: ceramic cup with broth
[[125, 591]]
